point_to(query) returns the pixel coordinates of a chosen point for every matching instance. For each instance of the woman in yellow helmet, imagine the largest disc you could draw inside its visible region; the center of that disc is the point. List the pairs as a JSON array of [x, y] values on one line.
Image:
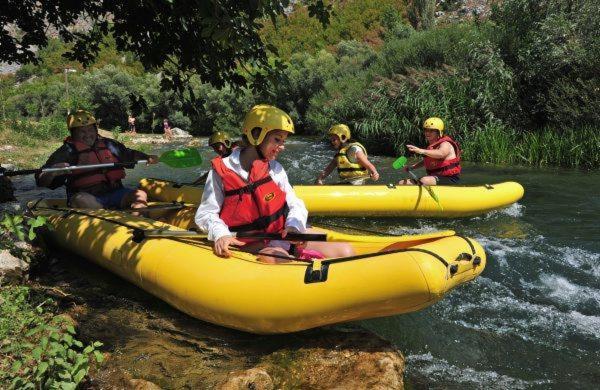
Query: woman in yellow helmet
[[351, 159], [249, 191], [441, 157]]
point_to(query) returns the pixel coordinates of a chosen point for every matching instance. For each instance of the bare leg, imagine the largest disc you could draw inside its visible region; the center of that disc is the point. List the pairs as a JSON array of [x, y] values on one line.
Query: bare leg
[[136, 200], [429, 180], [83, 200], [264, 253], [330, 249], [425, 180]]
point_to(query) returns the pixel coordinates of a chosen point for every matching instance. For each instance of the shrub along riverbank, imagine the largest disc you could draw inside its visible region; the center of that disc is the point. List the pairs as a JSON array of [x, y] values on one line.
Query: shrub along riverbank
[[38, 345], [518, 88]]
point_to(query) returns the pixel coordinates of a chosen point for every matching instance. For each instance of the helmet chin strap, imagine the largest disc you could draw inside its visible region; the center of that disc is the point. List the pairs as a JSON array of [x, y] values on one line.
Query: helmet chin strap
[[260, 153]]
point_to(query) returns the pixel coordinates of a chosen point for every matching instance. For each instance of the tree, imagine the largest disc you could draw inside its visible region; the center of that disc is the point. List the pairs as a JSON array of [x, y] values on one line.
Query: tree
[[421, 14], [217, 40]]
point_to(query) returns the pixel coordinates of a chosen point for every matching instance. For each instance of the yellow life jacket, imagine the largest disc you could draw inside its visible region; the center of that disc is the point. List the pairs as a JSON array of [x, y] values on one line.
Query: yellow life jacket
[[347, 169]]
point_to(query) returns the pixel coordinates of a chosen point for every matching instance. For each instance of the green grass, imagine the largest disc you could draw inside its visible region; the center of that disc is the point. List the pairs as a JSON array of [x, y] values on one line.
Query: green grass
[[577, 148]]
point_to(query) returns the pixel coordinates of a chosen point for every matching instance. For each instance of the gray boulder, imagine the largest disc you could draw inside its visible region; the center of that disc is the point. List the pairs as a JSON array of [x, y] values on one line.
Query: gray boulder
[[12, 269]]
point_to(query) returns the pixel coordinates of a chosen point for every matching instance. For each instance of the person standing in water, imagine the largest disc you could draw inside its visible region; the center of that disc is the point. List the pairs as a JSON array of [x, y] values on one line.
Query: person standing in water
[[249, 191], [351, 159], [441, 157]]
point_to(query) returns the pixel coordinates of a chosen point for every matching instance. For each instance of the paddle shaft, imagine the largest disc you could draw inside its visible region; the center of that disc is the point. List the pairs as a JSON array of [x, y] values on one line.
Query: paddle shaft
[[428, 188], [257, 235], [73, 168]]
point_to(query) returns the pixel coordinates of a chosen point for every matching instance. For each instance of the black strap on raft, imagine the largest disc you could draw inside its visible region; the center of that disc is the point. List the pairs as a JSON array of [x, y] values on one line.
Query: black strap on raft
[[476, 260]]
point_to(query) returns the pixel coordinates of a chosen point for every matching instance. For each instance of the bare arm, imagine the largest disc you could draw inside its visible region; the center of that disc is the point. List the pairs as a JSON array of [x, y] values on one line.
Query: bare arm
[[328, 169], [365, 163], [439, 154]]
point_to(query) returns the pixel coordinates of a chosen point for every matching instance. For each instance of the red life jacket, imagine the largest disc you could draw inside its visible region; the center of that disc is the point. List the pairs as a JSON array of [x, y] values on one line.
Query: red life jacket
[[256, 205], [99, 153], [443, 167]]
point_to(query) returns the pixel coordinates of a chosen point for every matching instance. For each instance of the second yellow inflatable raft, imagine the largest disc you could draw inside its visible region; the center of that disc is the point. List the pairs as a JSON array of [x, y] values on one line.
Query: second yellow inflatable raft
[[374, 200]]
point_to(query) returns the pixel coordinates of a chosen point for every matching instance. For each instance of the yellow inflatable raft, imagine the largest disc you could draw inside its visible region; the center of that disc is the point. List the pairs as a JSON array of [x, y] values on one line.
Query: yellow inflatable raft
[[374, 200], [388, 275]]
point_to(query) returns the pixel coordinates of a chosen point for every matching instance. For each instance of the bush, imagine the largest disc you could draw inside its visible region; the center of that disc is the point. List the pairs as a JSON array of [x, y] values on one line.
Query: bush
[[39, 350]]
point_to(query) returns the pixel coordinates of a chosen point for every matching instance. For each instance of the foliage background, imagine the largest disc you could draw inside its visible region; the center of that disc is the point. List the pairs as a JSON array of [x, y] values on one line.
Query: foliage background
[[518, 87]]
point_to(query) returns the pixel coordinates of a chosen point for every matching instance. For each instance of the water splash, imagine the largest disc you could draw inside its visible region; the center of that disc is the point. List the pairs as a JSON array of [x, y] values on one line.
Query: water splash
[[439, 370]]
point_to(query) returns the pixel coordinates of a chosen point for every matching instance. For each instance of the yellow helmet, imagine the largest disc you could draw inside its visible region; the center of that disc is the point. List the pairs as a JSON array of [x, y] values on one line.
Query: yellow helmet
[[434, 124], [341, 131], [267, 118], [80, 118], [219, 137]]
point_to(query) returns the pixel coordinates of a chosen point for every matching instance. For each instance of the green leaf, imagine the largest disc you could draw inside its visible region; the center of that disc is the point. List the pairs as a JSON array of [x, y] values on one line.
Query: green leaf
[[16, 366], [41, 369], [79, 375], [36, 353], [99, 356]]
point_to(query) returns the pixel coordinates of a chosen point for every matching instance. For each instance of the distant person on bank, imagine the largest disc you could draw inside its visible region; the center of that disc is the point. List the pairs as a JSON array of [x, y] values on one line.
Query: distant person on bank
[[221, 143], [441, 157], [131, 123], [351, 159], [97, 188], [168, 131]]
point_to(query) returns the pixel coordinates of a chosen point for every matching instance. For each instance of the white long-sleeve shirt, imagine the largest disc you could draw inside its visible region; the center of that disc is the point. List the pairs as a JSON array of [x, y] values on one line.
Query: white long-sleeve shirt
[[207, 216]]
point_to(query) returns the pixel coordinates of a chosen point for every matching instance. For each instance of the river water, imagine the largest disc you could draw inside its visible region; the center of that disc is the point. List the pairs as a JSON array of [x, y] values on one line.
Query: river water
[[532, 320]]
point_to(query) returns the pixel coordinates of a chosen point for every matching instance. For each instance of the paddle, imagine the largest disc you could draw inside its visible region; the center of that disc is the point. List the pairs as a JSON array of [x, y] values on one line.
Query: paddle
[[400, 163], [180, 158], [139, 235]]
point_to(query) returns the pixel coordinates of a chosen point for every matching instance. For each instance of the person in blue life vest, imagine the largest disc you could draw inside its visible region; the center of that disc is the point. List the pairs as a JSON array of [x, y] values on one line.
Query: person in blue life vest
[[249, 191], [351, 160], [222, 144], [97, 188], [441, 158]]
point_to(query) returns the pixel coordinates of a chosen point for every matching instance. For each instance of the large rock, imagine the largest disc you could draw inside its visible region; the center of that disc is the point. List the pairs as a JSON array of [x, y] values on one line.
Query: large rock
[[177, 132], [336, 360], [12, 269], [254, 378]]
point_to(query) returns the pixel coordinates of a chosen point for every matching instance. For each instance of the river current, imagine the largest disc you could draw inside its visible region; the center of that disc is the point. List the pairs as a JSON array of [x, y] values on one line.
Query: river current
[[532, 320]]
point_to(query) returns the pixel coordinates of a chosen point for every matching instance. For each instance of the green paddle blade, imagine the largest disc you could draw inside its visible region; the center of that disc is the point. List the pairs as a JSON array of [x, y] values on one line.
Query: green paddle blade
[[400, 162], [181, 158]]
